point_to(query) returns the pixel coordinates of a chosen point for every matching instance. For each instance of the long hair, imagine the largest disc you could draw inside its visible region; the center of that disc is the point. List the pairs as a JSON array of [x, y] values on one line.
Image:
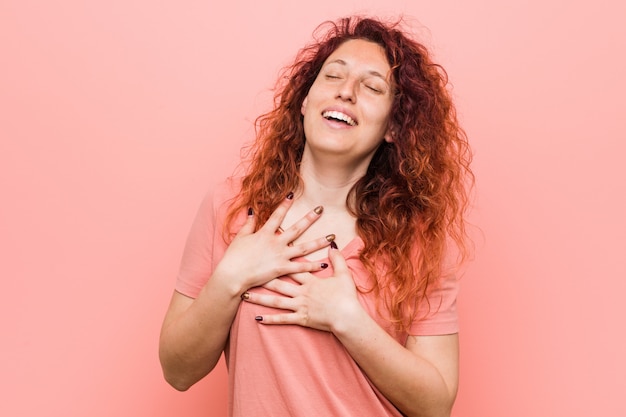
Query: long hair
[[411, 202]]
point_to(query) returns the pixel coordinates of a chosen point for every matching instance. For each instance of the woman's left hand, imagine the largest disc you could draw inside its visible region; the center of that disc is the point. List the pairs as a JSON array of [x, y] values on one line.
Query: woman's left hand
[[318, 303]]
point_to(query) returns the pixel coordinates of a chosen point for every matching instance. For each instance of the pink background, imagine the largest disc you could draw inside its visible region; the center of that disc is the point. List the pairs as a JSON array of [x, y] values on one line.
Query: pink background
[[116, 116]]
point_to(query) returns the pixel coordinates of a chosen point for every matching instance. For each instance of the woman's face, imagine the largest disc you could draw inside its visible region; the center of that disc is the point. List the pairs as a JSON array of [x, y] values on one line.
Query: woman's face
[[346, 111]]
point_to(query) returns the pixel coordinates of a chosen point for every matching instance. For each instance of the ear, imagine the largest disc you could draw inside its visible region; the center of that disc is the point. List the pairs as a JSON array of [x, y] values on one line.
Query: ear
[[389, 136], [303, 107]]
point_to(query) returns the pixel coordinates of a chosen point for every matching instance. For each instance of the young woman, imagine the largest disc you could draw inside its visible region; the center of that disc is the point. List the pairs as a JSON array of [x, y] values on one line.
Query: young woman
[[324, 274]]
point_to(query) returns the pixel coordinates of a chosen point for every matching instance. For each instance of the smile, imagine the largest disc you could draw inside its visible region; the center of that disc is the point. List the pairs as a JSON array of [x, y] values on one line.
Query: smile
[[342, 117]]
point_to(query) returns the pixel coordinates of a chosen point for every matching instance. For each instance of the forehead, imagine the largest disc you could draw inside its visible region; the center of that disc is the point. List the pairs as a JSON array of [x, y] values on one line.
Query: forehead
[[360, 52]]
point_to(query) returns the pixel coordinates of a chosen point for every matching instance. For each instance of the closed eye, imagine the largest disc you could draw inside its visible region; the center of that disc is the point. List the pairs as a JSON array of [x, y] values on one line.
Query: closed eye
[[374, 89], [375, 84]]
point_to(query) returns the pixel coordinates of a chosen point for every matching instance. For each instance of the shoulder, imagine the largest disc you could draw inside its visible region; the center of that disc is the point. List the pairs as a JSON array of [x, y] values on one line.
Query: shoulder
[[219, 196], [224, 191]]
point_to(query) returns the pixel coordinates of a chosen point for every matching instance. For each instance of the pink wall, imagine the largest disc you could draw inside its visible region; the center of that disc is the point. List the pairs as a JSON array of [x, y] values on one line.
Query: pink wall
[[116, 116]]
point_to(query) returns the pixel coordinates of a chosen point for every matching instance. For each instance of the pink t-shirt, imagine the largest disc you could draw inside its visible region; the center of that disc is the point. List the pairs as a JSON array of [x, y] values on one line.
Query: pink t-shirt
[[288, 370]]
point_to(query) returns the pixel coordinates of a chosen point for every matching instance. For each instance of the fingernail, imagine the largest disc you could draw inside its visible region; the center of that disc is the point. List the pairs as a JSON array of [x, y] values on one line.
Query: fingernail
[[245, 296], [318, 210], [333, 245], [324, 265], [250, 212], [259, 318], [290, 196], [330, 237]]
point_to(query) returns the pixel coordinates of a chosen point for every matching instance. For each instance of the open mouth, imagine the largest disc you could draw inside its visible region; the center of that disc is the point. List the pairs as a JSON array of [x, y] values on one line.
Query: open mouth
[[339, 116]]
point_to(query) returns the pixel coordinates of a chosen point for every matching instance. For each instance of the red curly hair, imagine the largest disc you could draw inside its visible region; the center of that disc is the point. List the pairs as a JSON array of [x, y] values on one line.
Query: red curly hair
[[414, 195]]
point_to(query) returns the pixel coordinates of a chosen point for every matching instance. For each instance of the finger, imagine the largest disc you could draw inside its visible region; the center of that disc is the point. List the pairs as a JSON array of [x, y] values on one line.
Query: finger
[[276, 218], [336, 259], [303, 249], [304, 223], [282, 287], [280, 301], [285, 318], [291, 268], [249, 225], [302, 277]]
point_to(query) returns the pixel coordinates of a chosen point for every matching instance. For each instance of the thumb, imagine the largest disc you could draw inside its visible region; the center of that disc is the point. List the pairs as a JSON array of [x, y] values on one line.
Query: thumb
[[248, 226], [336, 258]]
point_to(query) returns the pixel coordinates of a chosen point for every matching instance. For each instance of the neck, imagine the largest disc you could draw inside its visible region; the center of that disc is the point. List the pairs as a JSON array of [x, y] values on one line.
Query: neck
[[327, 183]]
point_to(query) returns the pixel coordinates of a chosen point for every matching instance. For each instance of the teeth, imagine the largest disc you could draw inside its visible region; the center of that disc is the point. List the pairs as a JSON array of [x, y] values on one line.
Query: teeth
[[339, 116]]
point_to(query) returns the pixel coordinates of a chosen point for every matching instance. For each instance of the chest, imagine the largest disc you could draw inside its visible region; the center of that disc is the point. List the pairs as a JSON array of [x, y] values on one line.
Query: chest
[[332, 221]]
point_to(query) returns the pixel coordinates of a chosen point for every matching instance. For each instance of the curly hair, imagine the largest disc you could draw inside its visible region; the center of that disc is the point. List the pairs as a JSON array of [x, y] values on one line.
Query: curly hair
[[411, 202]]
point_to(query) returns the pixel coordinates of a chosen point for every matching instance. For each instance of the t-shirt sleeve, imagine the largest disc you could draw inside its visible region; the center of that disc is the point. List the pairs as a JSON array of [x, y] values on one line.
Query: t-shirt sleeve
[[439, 315], [205, 243]]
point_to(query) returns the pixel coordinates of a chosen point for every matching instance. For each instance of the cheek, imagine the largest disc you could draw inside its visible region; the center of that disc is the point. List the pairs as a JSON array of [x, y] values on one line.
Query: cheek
[[381, 117], [379, 114]]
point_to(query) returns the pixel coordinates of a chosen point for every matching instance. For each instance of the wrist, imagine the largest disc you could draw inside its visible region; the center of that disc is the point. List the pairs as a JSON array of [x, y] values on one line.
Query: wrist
[[349, 319], [228, 284]]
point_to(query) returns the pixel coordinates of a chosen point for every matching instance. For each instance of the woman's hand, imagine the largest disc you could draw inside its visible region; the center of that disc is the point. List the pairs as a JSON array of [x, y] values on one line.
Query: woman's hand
[[318, 303], [254, 258]]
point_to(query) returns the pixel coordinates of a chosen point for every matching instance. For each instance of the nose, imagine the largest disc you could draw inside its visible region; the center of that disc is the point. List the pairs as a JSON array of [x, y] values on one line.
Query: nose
[[347, 90]]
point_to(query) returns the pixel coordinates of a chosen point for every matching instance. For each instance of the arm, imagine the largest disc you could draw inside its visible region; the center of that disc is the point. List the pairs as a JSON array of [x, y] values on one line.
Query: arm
[[195, 331], [420, 378]]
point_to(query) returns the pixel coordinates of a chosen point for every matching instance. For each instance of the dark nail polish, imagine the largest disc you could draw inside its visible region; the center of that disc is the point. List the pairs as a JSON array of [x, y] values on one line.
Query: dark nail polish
[[245, 296], [333, 245], [290, 196], [318, 210], [324, 265], [259, 318], [250, 212], [330, 237]]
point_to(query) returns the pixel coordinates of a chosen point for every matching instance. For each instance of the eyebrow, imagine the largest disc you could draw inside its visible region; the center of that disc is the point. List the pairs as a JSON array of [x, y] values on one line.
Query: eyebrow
[[370, 72]]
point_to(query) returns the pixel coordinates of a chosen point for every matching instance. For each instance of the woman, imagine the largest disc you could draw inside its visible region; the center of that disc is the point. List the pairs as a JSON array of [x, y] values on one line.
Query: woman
[[323, 274]]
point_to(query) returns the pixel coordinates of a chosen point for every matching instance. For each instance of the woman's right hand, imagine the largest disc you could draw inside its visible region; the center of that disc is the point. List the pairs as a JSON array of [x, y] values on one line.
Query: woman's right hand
[[254, 258]]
